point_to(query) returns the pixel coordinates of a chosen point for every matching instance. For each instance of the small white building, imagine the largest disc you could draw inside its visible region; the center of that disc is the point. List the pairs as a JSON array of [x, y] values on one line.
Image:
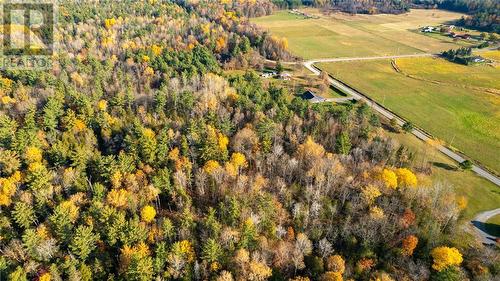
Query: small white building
[[268, 74], [428, 29], [285, 76], [478, 60]]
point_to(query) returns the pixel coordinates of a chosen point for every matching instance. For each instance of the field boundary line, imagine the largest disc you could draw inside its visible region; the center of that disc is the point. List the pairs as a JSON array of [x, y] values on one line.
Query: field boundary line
[[398, 70]]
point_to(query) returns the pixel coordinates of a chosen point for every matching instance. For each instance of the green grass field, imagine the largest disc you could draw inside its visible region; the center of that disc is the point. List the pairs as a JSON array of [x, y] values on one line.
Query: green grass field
[[481, 194], [439, 70], [340, 35], [494, 220], [465, 118]]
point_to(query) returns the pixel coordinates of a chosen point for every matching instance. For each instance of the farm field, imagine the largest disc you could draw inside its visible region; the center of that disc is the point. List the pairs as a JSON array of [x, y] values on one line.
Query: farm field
[[481, 194], [442, 71], [456, 112], [341, 35], [492, 55]]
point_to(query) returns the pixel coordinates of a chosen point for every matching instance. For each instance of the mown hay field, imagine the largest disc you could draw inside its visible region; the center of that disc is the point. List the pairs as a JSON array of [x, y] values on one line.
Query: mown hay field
[[341, 35], [442, 71]]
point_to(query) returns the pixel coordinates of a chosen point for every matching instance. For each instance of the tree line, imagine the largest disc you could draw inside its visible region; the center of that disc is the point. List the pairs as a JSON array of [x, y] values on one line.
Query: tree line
[[482, 14], [137, 157]]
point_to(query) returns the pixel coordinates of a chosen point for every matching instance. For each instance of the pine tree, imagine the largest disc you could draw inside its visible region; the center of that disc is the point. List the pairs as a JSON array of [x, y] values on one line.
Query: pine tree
[[212, 226], [84, 242], [343, 144], [53, 110], [9, 162], [24, 214], [160, 259], [18, 275], [212, 251], [162, 180], [30, 242], [140, 268]]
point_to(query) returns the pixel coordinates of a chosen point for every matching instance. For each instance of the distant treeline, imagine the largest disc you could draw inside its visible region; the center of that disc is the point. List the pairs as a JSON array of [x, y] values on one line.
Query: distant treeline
[[461, 56], [483, 14], [352, 6]]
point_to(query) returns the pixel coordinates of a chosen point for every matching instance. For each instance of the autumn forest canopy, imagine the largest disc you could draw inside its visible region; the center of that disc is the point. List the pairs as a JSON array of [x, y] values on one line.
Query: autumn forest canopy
[[140, 156]]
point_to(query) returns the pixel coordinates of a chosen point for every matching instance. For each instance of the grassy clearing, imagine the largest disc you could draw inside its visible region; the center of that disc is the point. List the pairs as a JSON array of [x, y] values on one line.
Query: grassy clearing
[[301, 80], [464, 118], [495, 220], [481, 194], [341, 35]]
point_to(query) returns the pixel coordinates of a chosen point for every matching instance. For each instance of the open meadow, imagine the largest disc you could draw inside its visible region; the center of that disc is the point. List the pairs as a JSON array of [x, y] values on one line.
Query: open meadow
[[457, 104], [342, 35]]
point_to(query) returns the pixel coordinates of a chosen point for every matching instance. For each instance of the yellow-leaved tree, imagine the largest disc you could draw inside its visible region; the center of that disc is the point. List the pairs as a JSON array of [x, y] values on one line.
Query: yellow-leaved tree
[[238, 160], [370, 193], [445, 257], [148, 213], [109, 23], [211, 166], [389, 178], [377, 213], [335, 263], [118, 197], [406, 177], [311, 149], [156, 50], [33, 154], [332, 276], [8, 187], [102, 105]]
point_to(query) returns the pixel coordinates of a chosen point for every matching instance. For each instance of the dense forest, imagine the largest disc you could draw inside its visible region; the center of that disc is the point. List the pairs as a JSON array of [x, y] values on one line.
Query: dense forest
[[138, 157]]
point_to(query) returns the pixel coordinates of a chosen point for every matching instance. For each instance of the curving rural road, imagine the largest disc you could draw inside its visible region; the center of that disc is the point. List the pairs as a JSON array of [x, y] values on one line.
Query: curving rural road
[[479, 221], [388, 114]]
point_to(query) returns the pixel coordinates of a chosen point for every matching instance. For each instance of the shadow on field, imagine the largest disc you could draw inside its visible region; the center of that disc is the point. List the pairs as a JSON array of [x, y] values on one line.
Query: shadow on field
[[444, 166], [490, 228]]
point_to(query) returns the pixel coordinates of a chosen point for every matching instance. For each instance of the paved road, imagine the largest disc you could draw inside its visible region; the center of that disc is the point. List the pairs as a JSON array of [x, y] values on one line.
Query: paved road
[[478, 223], [418, 133], [313, 61]]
